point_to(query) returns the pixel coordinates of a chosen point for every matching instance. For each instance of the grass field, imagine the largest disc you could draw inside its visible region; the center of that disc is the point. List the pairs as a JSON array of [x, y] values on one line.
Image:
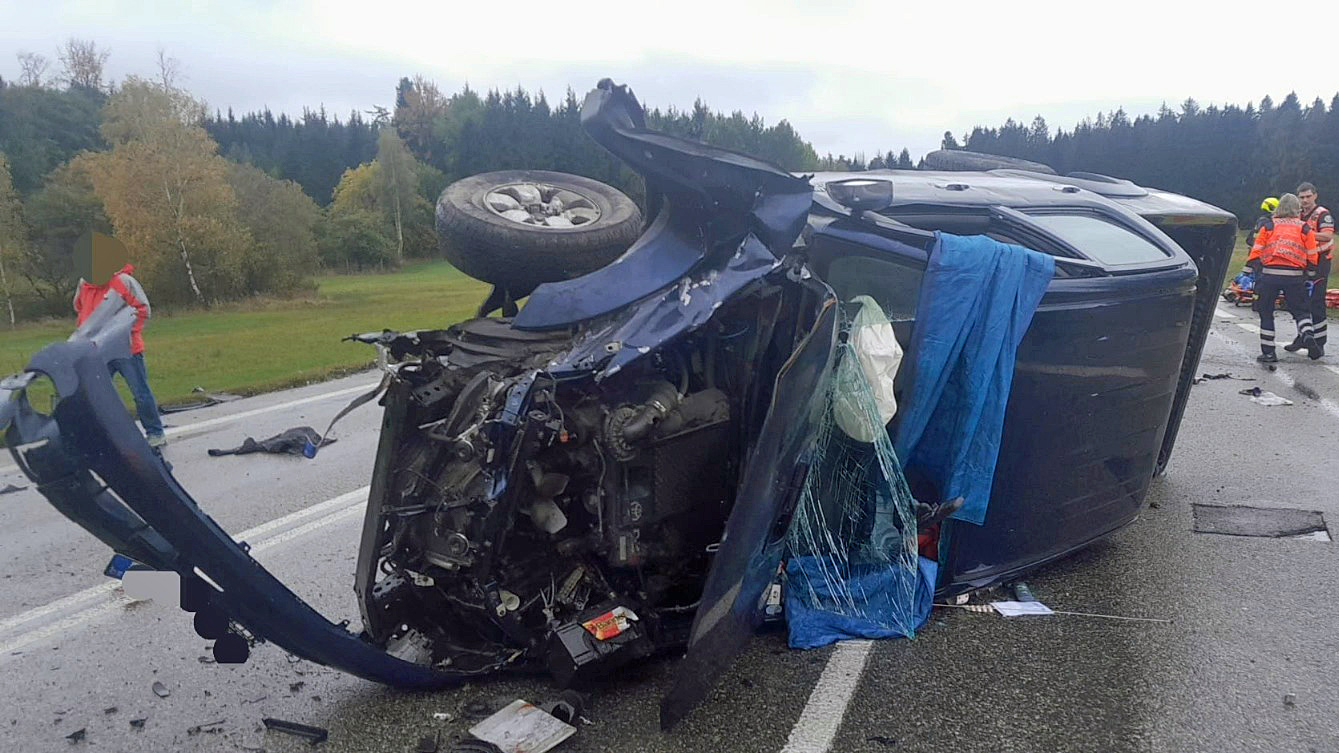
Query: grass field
[[260, 346]]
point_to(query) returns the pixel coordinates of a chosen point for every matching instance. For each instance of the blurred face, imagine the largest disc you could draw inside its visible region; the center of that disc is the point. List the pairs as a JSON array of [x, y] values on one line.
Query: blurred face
[[1308, 199]]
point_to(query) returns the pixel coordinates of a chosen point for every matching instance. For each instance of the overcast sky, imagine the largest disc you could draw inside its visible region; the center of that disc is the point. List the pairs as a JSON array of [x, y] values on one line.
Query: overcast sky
[[850, 76]]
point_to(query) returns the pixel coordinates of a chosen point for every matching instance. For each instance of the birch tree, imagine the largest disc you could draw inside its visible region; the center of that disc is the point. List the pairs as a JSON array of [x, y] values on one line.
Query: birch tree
[[11, 235]]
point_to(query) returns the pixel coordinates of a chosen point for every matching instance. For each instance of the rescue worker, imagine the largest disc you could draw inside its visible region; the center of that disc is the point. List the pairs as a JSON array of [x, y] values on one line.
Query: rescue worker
[[96, 256], [1322, 227], [1266, 219], [1284, 258]]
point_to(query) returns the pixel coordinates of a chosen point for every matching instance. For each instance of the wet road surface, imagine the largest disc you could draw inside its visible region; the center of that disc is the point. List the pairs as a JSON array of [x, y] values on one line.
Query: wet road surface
[[1253, 619]]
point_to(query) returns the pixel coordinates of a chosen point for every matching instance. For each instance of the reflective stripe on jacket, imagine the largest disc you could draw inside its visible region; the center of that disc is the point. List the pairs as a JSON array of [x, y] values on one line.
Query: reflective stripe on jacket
[[1322, 221], [1288, 247]]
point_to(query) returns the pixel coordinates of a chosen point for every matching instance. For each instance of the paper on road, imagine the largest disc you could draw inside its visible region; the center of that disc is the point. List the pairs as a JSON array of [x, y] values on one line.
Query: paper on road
[[1020, 608]]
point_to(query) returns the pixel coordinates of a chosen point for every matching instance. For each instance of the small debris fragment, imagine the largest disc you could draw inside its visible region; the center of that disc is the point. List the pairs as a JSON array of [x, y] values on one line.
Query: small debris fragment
[[205, 659], [1265, 397], [160, 690], [443, 716], [138, 723], [294, 687], [257, 699], [313, 734], [10, 489], [428, 744], [109, 710], [882, 740], [1289, 699], [206, 727], [77, 735]]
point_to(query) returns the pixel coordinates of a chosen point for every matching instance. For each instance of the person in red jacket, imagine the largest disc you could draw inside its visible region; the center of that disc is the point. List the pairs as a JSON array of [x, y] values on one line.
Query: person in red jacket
[[1284, 259], [100, 286]]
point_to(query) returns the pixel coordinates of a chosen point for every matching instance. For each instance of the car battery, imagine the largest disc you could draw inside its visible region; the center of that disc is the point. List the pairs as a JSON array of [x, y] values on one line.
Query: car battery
[[599, 640]]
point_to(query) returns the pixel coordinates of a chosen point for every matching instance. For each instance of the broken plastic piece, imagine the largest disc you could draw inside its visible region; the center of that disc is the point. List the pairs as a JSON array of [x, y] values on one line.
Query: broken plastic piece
[[77, 735], [160, 690], [522, 727], [428, 744], [138, 723], [312, 734]]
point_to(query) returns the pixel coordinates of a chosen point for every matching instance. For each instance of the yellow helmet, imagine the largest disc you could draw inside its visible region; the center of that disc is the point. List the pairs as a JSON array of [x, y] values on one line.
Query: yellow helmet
[[1269, 205]]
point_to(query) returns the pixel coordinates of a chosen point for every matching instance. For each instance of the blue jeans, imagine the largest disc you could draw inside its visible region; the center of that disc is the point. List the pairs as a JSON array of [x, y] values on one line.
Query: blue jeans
[[137, 379]]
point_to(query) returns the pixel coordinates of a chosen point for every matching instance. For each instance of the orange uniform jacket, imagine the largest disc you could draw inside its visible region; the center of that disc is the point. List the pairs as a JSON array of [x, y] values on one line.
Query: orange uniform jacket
[[88, 297], [1287, 248]]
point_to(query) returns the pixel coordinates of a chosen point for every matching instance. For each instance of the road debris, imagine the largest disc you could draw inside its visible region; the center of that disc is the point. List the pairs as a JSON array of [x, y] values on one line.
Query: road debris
[[428, 744], [443, 716], [1224, 375], [77, 735], [294, 687], [989, 608], [883, 740], [10, 489], [160, 690], [313, 734], [289, 442], [1020, 608], [109, 710], [1289, 699], [1265, 397], [206, 727], [522, 727], [138, 723]]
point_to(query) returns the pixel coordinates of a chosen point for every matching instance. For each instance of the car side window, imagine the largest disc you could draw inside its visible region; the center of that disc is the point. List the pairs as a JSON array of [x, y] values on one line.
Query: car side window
[[1100, 240], [896, 286]]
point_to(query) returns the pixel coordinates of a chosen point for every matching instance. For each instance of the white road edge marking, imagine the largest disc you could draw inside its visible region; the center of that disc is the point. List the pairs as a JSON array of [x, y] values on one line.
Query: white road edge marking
[[1288, 380], [91, 609], [217, 420], [822, 716]]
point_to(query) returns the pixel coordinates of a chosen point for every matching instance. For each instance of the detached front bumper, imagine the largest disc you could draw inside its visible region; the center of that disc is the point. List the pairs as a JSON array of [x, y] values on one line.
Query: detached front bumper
[[91, 462]]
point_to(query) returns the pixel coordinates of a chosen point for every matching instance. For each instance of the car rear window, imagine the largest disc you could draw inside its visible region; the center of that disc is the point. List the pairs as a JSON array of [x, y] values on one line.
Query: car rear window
[[1102, 241]]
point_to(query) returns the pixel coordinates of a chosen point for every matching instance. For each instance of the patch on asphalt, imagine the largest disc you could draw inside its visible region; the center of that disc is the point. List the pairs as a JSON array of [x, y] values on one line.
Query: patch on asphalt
[[1270, 522]]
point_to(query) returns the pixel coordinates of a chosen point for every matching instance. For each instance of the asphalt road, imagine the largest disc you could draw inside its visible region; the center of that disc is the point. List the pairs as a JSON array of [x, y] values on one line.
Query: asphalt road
[[1253, 620]]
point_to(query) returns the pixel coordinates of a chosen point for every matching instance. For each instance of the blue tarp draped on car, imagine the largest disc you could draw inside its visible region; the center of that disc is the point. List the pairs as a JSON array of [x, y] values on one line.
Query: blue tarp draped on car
[[976, 302], [823, 612]]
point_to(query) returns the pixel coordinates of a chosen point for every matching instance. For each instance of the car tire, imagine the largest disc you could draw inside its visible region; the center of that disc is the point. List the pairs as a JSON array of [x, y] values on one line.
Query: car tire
[[505, 227]]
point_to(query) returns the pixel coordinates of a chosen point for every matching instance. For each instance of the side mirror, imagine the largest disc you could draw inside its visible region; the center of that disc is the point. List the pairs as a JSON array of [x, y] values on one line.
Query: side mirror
[[862, 194]]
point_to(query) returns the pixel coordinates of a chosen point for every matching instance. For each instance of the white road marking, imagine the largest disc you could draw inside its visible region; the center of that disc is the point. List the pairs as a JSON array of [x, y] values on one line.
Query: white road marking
[[1226, 314], [218, 420], [101, 601], [1249, 327], [822, 716], [1289, 381]]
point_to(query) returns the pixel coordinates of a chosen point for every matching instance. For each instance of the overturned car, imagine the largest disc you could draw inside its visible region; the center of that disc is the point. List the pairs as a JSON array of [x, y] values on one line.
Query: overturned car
[[611, 472]]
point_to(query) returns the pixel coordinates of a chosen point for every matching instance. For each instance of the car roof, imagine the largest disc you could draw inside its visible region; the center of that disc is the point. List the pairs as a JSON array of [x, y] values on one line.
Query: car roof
[[1023, 189]]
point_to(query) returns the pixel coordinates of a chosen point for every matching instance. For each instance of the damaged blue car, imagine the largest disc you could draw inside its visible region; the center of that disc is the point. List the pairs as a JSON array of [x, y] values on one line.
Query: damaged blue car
[[610, 470]]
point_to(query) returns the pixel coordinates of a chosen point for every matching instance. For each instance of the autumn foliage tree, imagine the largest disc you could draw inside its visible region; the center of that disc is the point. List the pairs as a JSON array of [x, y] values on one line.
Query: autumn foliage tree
[[167, 193]]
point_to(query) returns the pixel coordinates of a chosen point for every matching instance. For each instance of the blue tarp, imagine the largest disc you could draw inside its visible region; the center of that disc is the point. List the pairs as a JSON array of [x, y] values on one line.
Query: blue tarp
[[822, 610], [976, 302]]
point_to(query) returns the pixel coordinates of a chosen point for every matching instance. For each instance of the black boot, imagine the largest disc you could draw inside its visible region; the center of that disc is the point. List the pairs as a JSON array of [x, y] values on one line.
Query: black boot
[[1296, 345], [1314, 349], [1267, 358]]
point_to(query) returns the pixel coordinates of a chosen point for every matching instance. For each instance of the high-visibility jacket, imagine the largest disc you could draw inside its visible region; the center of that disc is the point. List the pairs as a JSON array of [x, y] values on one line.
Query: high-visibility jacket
[[88, 297], [1321, 221], [1288, 248]]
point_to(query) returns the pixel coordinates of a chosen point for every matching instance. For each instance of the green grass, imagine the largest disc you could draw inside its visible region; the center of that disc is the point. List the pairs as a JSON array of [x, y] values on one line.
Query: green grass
[[259, 346]]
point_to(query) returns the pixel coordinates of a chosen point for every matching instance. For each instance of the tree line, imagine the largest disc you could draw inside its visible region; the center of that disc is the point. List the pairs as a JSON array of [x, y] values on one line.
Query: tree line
[[217, 207], [1229, 156]]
